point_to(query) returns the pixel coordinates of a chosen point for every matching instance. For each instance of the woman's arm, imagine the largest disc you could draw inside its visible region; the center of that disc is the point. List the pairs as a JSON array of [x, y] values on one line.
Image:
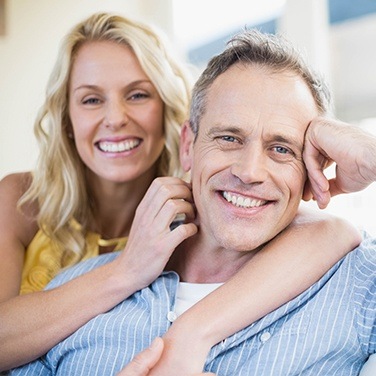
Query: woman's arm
[[38, 321], [284, 268]]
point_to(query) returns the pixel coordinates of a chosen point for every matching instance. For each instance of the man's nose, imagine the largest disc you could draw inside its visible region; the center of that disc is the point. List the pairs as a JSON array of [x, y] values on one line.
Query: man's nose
[[116, 115], [251, 165]]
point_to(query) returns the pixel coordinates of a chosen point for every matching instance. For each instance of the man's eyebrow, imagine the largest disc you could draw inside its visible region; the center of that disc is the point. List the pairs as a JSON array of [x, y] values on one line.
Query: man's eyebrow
[[287, 140], [224, 128]]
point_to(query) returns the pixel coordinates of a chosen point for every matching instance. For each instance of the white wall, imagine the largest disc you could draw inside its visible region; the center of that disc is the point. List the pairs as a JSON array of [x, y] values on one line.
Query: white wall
[[27, 54], [344, 54], [353, 56]]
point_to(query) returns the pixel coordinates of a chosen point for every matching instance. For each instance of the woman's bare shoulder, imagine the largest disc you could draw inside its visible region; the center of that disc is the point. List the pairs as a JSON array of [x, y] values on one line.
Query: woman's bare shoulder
[[17, 181], [12, 188]]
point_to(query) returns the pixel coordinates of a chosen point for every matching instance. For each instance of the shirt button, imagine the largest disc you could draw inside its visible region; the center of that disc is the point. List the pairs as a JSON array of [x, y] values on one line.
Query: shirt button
[[171, 316], [265, 337]]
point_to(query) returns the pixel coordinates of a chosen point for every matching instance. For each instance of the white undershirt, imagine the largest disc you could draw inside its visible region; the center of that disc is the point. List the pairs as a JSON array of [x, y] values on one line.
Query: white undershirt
[[189, 294]]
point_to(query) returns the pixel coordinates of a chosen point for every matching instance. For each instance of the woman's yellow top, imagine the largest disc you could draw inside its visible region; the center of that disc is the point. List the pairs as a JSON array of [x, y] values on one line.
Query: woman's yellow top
[[42, 263]]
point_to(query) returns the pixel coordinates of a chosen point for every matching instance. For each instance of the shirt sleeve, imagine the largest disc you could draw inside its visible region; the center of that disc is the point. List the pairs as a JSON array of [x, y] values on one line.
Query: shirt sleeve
[[81, 268], [35, 368], [365, 293]]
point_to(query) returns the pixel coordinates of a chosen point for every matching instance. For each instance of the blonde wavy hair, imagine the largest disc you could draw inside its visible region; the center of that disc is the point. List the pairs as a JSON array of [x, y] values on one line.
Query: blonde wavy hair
[[59, 185]]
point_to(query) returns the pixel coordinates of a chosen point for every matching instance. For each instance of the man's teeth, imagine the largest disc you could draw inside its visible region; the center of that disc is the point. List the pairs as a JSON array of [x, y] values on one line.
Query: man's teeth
[[118, 147], [244, 202]]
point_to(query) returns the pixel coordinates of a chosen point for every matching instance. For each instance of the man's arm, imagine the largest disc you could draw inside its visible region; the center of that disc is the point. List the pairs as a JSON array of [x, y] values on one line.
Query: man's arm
[[352, 149]]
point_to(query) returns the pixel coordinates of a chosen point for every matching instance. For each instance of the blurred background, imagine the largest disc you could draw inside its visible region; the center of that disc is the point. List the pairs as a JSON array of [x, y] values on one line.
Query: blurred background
[[337, 36]]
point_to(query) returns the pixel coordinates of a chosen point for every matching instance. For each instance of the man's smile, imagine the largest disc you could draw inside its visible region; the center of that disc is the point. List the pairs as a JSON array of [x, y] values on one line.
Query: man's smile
[[242, 201]]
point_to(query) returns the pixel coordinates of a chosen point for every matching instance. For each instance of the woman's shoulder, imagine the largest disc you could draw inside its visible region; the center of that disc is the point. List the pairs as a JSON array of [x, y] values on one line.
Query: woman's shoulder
[[12, 220], [16, 183], [12, 188]]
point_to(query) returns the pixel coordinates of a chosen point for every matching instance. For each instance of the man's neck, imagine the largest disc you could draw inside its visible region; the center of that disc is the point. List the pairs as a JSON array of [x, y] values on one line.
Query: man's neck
[[198, 261]]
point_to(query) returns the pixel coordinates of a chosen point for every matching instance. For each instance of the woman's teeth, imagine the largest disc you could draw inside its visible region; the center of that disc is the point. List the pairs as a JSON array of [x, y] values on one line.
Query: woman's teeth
[[118, 147]]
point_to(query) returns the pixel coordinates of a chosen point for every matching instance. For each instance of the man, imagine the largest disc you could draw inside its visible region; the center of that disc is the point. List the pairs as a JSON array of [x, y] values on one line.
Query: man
[[244, 148]]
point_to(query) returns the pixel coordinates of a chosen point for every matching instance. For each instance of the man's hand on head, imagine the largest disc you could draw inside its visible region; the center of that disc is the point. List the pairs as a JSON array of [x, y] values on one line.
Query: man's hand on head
[[350, 148]]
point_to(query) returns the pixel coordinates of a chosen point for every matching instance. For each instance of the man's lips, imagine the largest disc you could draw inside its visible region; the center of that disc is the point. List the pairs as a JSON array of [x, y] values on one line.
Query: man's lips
[[118, 146]]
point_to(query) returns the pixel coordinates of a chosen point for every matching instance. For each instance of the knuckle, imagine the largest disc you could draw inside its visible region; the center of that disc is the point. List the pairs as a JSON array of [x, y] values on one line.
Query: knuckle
[[170, 205]]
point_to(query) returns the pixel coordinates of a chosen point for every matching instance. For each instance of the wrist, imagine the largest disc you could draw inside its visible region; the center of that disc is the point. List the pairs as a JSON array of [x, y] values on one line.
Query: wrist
[[194, 329], [184, 342], [120, 284]]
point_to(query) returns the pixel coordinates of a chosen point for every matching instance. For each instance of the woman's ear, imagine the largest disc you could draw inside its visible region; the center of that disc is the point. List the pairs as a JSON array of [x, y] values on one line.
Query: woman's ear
[[186, 146]]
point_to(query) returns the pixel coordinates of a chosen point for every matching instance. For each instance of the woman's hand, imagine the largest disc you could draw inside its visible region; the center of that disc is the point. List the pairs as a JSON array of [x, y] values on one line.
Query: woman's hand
[[151, 241]]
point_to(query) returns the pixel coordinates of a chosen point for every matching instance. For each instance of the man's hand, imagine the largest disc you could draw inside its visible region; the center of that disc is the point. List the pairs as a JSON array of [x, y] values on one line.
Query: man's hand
[[143, 363], [353, 151]]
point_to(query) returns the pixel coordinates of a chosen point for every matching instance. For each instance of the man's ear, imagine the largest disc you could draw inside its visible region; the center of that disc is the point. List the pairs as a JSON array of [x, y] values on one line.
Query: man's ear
[[186, 146]]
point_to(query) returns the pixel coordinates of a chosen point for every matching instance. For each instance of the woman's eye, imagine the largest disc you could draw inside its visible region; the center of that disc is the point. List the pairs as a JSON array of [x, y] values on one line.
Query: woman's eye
[[136, 96], [90, 101]]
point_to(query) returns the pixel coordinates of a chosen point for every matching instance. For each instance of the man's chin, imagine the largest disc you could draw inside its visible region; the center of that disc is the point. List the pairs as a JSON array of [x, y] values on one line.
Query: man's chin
[[240, 244]]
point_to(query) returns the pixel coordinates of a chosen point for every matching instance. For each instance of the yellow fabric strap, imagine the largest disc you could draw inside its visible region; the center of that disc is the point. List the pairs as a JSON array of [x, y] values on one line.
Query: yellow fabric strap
[[42, 262], [112, 242]]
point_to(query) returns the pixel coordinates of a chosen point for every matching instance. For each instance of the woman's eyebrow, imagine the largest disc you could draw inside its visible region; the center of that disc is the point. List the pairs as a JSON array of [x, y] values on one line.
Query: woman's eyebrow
[[97, 87]]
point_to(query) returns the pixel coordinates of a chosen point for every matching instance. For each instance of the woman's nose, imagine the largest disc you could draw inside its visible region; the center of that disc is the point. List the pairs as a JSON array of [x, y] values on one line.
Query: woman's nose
[[116, 114]]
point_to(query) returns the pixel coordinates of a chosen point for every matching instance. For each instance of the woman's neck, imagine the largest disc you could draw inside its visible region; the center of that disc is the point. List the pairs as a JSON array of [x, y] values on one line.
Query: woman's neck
[[115, 204]]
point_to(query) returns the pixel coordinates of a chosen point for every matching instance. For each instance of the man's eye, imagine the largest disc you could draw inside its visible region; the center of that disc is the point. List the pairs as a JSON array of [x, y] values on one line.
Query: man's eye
[[282, 150], [228, 138]]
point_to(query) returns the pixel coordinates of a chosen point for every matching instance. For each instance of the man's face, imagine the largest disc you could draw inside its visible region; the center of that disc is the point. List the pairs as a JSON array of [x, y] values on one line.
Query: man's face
[[246, 163]]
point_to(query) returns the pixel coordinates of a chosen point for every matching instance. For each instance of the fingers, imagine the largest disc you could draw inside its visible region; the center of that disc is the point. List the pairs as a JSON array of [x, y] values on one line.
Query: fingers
[[353, 151], [165, 199], [144, 362], [151, 240], [316, 161], [163, 189], [170, 210]]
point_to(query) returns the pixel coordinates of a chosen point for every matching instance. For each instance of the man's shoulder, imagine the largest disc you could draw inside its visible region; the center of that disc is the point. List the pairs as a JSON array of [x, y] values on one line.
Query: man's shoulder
[[361, 262], [366, 251], [82, 268]]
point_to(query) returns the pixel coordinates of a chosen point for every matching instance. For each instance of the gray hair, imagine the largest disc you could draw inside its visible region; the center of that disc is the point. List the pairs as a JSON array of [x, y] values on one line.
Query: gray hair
[[266, 50]]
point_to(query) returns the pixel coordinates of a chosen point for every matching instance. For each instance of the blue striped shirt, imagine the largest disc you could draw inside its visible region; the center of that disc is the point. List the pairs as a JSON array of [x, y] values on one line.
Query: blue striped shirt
[[330, 329]]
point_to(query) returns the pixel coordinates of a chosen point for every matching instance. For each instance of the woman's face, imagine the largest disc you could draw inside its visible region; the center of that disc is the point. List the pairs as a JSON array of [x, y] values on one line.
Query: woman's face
[[116, 113]]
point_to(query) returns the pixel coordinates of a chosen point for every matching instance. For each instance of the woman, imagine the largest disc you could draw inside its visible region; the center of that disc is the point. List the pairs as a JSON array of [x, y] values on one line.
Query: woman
[[108, 128]]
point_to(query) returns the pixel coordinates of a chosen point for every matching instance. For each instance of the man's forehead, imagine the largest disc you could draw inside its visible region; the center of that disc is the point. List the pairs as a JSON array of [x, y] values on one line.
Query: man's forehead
[[249, 98]]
